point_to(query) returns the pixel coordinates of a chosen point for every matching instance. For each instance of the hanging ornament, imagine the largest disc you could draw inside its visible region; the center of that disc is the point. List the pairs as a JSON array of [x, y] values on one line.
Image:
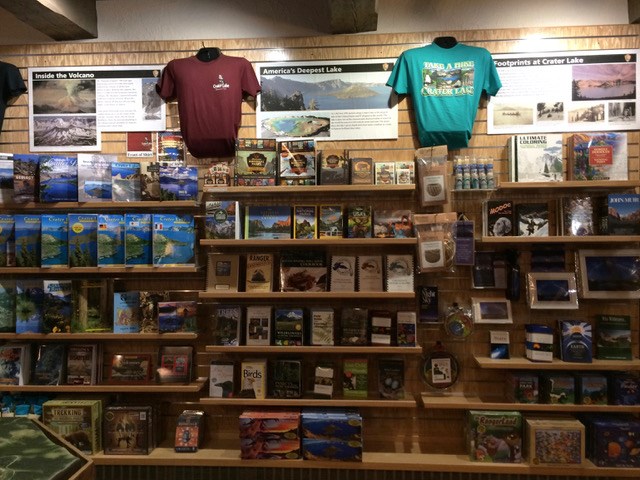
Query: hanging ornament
[[440, 368], [458, 322]]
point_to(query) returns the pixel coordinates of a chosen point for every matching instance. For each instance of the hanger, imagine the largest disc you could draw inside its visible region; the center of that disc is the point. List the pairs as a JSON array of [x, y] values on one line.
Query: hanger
[[445, 42], [206, 54]]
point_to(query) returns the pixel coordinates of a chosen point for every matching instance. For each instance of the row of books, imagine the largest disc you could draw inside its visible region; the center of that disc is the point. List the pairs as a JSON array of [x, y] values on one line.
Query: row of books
[[82, 364], [591, 156], [97, 240], [293, 326], [223, 221], [93, 178], [310, 271]]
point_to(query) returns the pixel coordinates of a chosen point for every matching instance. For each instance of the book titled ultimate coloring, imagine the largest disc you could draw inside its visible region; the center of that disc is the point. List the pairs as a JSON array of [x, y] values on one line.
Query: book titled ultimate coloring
[[54, 241], [110, 240], [94, 177], [125, 182], [174, 237], [58, 178], [137, 239], [536, 158], [83, 240]]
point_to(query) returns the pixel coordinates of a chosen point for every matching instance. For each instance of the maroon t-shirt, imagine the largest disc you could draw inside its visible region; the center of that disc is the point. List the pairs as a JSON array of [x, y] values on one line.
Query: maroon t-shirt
[[209, 98]]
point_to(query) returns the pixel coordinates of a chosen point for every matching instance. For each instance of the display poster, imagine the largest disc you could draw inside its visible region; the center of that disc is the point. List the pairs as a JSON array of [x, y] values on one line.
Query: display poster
[[327, 100], [69, 107], [565, 92]]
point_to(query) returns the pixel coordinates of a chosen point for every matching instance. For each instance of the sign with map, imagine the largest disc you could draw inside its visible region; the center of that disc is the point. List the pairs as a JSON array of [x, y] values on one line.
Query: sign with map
[[327, 100]]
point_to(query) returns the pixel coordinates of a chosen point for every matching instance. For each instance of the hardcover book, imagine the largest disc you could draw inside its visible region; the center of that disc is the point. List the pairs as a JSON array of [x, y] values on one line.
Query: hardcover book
[[532, 219], [406, 329], [83, 240], [110, 240], [150, 181], [598, 156], [362, 171], [370, 273], [94, 177], [576, 343], [623, 214], [29, 306], [286, 378], [174, 239], [125, 182], [354, 324], [175, 364], [49, 364], [359, 221], [54, 240], [223, 272], [82, 364], [130, 368], [178, 183], [613, 337], [304, 222], [385, 173], [227, 322], [178, 316], [391, 378], [288, 326], [399, 273], [497, 218], [536, 158], [253, 379], [267, 222], [392, 223], [15, 364], [149, 300], [58, 178], [355, 378], [6, 178], [330, 221], [7, 306], [334, 167], [128, 430], [297, 162], [126, 312], [137, 239], [7, 239], [256, 162], [577, 215], [222, 220], [258, 329], [25, 177], [221, 379], [303, 271], [322, 326], [380, 328], [57, 306], [77, 421], [343, 273], [27, 240], [259, 272]]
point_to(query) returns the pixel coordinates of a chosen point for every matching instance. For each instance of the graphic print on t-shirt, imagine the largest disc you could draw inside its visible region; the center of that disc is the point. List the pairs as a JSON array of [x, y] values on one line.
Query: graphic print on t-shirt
[[440, 80]]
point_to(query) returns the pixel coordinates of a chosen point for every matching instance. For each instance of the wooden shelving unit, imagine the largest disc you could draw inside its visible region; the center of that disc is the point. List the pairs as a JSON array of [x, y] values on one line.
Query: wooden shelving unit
[[521, 363], [571, 185], [407, 402], [328, 350], [223, 295], [111, 337], [96, 270], [72, 206], [311, 189], [315, 242], [192, 387], [586, 239]]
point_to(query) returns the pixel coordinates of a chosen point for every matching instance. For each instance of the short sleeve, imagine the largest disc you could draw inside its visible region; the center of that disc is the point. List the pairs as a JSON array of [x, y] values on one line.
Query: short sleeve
[[492, 79], [250, 84], [166, 87], [399, 76]]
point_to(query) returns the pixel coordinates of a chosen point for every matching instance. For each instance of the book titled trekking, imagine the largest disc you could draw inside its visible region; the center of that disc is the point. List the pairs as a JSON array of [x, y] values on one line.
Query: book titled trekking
[[27, 240], [303, 271], [54, 240], [175, 364], [149, 300], [305, 225], [613, 337], [49, 364], [227, 321], [536, 158], [25, 177], [330, 221], [222, 221], [83, 240], [297, 162], [532, 219], [94, 177], [288, 326], [497, 218], [149, 181], [623, 214], [126, 312], [137, 239], [58, 178], [598, 156], [174, 238], [125, 182], [7, 239], [57, 306], [256, 162], [110, 240], [334, 167], [6, 178], [82, 364], [267, 222], [259, 272], [178, 316], [7, 306], [178, 183], [92, 301], [29, 305]]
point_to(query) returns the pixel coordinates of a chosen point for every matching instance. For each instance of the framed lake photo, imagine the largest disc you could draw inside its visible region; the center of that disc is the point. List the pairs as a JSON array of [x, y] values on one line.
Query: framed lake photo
[[491, 310], [609, 273], [552, 290]]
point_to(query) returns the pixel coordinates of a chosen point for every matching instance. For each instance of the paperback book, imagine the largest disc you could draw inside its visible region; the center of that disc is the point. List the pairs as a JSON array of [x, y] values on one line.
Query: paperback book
[[131, 368], [222, 220], [381, 328], [25, 177], [343, 273], [256, 162], [7, 306], [94, 177], [297, 162], [175, 364], [258, 330], [149, 300], [219, 174], [400, 273], [110, 240], [322, 326], [288, 327], [49, 364], [623, 214], [227, 321], [303, 271], [221, 379], [92, 309], [355, 378], [54, 240], [178, 316], [577, 214], [532, 219], [149, 181], [253, 379], [82, 364], [125, 182], [330, 221], [7, 239], [174, 238], [178, 183], [536, 158], [576, 342], [137, 239], [354, 323], [334, 167], [57, 306], [126, 312], [223, 272], [498, 218], [286, 378], [29, 306], [304, 222], [15, 364], [391, 378], [267, 222], [359, 221], [83, 240], [58, 178], [613, 337], [170, 147], [598, 156], [370, 273], [406, 329], [259, 272], [27, 240], [362, 171], [6, 178]]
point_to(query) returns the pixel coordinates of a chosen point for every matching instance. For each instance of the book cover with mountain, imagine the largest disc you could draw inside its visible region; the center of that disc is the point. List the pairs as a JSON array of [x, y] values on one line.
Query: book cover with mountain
[[256, 162], [126, 312], [54, 240], [27, 240], [623, 214], [6, 178], [303, 271], [92, 306], [259, 272], [7, 306], [110, 240], [305, 225], [267, 222], [49, 364], [58, 178], [178, 183], [297, 162], [83, 240], [222, 220], [288, 326], [532, 219], [150, 181], [536, 158], [598, 156], [57, 306], [330, 221], [7, 225], [137, 239], [25, 177], [94, 177], [82, 364], [125, 182], [178, 316], [29, 306], [174, 237]]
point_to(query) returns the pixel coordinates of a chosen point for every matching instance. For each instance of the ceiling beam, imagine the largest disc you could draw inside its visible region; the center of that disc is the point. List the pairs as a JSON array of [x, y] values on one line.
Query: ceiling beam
[[634, 11], [353, 16], [61, 20]]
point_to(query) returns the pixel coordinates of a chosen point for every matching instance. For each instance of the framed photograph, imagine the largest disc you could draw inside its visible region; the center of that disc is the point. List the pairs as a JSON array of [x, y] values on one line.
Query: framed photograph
[[491, 310], [609, 273], [552, 290]]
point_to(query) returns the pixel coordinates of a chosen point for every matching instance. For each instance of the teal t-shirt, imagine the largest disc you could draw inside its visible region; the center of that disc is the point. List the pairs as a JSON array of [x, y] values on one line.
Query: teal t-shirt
[[445, 85]]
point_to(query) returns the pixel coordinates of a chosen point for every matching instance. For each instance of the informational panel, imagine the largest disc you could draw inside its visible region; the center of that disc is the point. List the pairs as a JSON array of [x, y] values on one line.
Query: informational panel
[[565, 92], [328, 100], [70, 106]]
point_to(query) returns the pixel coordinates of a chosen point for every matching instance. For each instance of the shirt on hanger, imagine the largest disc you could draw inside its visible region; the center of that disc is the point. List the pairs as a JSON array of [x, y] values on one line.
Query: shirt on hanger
[[11, 85]]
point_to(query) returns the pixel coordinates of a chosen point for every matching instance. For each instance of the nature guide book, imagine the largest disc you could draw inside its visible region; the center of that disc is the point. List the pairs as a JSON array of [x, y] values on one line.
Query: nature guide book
[[613, 337], [253, 378], [285, 378], [297, 162], [342, 273], [58, 178], [222, 220], [258, 325], [303, 271], [322, 326], [330, 221], [27, 239], [7, 226], [223, 272], [25, 177], [125, 182], [355, 378], [536, 158], [391, 378], [57, 306], [178, 316], [221, 379], [92, 302], [256, 162], [259, 272], [7, 306], [532, 219], [598, 156], [126, 312], [29, 304], [131, 368], [49, 364], [83, 240], [623, 214], [82, 364], [334, 167], [137, 239], [149, 181], [227, 323], [305, 225], [54, 240], [110, 240], [6, 178], [94, 177], [267, 222], [174, 238], [288, 327], [354, 326], [149, 300], [359, 221], [576, 341], [406, 328], [175, 364], [178, 182]]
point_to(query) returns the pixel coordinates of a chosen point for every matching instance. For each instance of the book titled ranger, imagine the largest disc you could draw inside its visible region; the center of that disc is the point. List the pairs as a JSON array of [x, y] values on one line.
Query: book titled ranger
[[83, 240], [54, 240], [58, 178], [94, 177], [27, 240], [125, 182], [137, 239], [536, 158], [259, 272], [303, 271], [222, 220], [25, 177], [110, 240], [174, 237], [267, 222], [57, 306]]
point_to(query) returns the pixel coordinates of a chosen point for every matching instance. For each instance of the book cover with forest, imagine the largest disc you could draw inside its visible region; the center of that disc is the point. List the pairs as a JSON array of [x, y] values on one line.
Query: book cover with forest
[[83, 240], [54, 241], [29, 306], [110, 240], [27, 240]]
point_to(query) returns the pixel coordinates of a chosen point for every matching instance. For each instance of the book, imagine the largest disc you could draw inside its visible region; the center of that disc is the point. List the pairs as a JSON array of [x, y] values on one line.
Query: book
[[58, 178], [354, 323], [219, 174], [149, 181], [57, 306], [7, 306], [384, 173], [125, 182], [49, 364], [78, 421], [342, 273], [256, 162], [29, 305], [598, 156], [334, 167], [623, 214], [499, 344], [83, 240], [253, 378], [322, 326], [129, 430], [137, 239], [173, 239], [370, 273], [94, 177], [7, 239], [140, 144], [170, 147], [6, 178], [110, 240], [189, 431], [267, 222], [126, 312], [227, 322], [405, 172], [532, 219], [428, 304], [355, 378], [399, 273], [392, 223], [54, 240], [27, 240], [15, 364], [498, 218], [303, 271], [178, 316], [576, 342], [362, 171], [222, 220], [221, 379], [613, 337], [132, 368], [330, 221], [178, 182], [285, 378], [223, 272], [149, 300], [406, 328], [305, 225], [258, 325], [259, 272], [297, 162], [25, 177], [82, 364], [288, 327], [359, 221], [577, 215], [323, 381], [175, 364], [391, 378], [536, 158], [381, 328]]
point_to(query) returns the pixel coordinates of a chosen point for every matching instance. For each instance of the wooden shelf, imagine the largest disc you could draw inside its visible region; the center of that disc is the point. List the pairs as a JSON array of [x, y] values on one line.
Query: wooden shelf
[[106, 336], [311, 189], [522, 363], [324, 242], [98, 270], [470, 402], [563, 239], [223, 295], [329, 350], [407, 402], [571, 184], [100, 205], [192, 387]]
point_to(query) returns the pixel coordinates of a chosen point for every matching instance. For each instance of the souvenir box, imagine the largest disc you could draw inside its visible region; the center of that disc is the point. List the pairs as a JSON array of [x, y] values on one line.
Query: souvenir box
[[555, 442], [613, 441], [494, 436]]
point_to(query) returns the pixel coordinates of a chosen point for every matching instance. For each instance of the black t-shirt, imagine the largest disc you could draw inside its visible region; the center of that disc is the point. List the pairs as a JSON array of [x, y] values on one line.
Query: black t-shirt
[[11, 85]]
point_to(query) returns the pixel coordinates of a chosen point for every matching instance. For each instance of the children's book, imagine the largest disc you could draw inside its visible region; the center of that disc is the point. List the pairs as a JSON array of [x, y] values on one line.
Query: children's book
[[49, 364], [178, 183], [57, 306], [297, 162], [175, 364], [110, 240], [94, 177], [58, 178], [178, 316], [54, 240], [29, 306], [83, 240], [137, 239], [359, 221], [259, 272], [330, 221], [226, 325], [536, 158], [149, 300], [256, 162], [82, 364], [125, 182], [303, 271], [6, 178], [149, 181], [174, 238], [27, 240], [304, 222], [7, 306], [126, 312], [362, 171], [334, 167], [267, 222], [7, 224], [598, 156], [92, 306], [25, 177], [222, 221]]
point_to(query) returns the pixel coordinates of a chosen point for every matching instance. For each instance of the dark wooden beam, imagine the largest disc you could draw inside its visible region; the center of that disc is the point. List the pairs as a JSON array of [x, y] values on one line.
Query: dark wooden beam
[[634, 11], [62, 20], [353, 16]]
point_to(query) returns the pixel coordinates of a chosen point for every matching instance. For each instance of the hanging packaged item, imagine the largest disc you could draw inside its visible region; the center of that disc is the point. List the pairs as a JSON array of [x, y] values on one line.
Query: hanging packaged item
[[431, 163], [440, 368], [436, 233]]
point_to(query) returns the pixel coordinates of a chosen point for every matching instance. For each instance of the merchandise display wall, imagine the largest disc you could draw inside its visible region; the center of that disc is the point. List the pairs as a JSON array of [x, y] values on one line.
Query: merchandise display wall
[[424, 432]]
